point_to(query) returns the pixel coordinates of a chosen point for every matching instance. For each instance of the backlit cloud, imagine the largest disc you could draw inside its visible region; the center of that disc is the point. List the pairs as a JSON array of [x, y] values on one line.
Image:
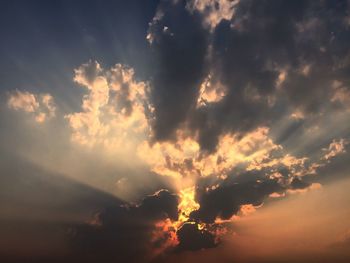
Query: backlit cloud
[[226, 109], [114, 109], [335, 147], [213, 10], [41, 106]]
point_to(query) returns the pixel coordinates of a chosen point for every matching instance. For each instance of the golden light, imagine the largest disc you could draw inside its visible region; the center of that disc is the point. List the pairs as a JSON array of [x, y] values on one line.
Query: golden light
[[187, 204]]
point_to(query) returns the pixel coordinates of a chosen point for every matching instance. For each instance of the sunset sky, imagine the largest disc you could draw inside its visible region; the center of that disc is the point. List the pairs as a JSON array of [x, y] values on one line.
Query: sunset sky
[[146, 131]]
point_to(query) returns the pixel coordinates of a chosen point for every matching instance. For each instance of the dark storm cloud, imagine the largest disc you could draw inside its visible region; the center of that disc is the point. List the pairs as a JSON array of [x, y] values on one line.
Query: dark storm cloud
[[240, 59], [297, 183], [123, 233], [179, 44], [159, 206], [307, 40], [254, 187], [243, 188], [38, 206], [226, 201], [264, 38], [192, 238]]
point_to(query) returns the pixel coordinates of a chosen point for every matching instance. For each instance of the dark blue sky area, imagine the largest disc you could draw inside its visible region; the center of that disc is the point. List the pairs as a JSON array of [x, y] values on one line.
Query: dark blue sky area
[[43, 41]]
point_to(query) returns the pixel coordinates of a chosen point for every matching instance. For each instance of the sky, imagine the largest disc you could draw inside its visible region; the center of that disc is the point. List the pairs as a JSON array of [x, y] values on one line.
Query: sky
[[175, 131]]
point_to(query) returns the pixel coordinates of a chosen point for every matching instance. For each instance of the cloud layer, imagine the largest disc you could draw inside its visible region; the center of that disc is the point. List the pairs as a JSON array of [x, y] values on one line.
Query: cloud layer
[[246, 102]]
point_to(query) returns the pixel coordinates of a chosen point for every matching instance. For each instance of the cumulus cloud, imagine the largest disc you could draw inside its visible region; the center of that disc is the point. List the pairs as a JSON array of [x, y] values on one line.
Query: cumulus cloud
[[23, 101], [41, 106], [114, 111]]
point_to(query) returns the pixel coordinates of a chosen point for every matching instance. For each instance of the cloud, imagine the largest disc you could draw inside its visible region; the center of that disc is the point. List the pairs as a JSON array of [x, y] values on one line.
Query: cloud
[[264, 59], [23, 101], [244, 104], [242, 174], [41, 106], [213, 10], [124, 233], [114, 111], [341, 94], [179, 65], [192, 238], [273, 174], [210, 92], [335, 148], [185, 159], [225, 201]]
